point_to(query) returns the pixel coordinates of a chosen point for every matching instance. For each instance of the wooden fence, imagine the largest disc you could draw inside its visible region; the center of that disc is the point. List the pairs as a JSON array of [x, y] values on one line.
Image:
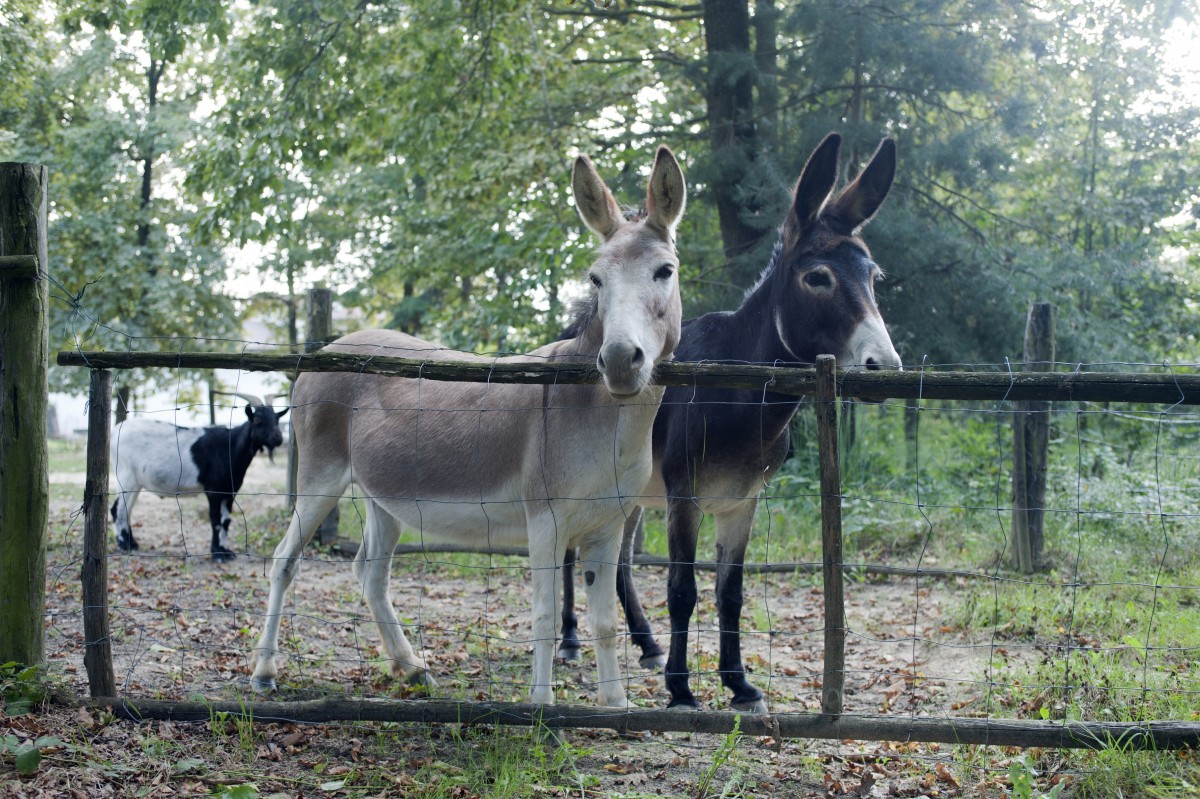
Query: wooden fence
[[823, 382]]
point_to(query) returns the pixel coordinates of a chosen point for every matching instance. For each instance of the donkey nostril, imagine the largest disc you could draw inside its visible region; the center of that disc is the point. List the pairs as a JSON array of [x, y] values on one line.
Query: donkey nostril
[[638, 357], [873, 364], [600, 361]]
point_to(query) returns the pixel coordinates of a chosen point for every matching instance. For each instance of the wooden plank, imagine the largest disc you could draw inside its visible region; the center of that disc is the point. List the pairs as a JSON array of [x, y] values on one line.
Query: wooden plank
[[318, 332], [97, 642], [1039, 357], [994, 732], [1150, 387], [24, 454], [834, 679]]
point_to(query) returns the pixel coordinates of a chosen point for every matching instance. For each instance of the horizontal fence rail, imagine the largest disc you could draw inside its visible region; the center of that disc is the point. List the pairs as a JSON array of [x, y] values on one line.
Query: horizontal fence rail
[[1168, 388], [1165, 388], [986, 732]]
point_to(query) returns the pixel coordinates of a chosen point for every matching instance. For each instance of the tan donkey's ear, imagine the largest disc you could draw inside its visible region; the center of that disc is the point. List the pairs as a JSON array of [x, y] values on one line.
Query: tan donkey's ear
[[666, 195], [595, 203]]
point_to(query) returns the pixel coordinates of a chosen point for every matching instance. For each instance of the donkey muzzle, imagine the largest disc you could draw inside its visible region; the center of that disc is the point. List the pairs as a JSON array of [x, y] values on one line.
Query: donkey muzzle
[[624, 367]]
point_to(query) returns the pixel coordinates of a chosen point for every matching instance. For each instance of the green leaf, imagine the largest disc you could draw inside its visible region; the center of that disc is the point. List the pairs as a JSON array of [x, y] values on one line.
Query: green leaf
[[28, 759]]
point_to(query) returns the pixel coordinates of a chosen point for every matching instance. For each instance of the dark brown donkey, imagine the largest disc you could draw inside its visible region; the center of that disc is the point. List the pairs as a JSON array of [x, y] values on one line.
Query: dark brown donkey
[[715, 449]]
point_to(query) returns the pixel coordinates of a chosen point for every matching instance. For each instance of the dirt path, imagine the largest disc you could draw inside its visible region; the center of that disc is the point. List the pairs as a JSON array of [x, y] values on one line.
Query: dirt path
[[184, 627]]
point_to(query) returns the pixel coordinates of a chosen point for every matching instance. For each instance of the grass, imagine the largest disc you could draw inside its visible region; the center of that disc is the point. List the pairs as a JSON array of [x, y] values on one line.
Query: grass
[[67, 454], [1109, 632]]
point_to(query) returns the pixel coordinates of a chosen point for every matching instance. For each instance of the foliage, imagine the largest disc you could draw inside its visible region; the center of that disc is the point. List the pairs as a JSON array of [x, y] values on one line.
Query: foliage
[[420, 162], [1024, 776], [27, 756], [726, 750], [22, 688]]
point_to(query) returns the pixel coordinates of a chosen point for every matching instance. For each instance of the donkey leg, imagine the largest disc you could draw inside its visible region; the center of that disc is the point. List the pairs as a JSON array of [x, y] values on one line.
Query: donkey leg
[[312, 507], [653, 656], [598, 558], [373, 566], [683, 524], [733, 533], [568, 648], [547, 550]]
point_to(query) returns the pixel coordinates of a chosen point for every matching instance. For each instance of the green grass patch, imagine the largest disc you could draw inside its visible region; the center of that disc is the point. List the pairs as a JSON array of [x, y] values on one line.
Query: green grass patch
[[67, 455]]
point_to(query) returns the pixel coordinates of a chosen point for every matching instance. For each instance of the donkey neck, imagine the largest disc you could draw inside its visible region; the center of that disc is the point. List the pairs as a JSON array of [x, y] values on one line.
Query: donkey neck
[[760, 318]]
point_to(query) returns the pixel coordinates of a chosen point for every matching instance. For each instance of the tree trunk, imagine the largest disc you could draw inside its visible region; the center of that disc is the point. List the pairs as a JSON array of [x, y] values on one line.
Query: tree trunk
[[149, 151], [730, 99], [766, 63]]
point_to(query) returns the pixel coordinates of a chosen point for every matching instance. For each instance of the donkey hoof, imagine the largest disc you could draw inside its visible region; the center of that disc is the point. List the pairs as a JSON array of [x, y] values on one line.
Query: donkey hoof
[[262, 685], [568, 653], [223, 555], [653, 662], [756, 706], [422, 679], [684, 707]]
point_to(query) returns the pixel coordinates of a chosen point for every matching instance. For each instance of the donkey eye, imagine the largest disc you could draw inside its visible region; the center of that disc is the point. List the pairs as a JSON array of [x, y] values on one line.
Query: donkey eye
[[818, 279], [664, 272], [595, 280]]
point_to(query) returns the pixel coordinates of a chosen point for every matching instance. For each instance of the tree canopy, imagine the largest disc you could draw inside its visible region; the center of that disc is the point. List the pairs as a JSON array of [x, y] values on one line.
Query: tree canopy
[[416, 156]]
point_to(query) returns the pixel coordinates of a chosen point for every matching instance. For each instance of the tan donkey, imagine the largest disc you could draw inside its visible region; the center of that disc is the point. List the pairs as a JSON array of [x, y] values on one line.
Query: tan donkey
[[550, 467]]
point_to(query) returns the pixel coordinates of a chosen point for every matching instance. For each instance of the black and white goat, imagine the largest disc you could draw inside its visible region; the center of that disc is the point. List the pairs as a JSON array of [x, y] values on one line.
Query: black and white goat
[[168, 460]]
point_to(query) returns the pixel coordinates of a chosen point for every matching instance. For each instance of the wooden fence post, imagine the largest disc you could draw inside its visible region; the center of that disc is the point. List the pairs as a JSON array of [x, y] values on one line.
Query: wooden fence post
[[97, 643], [1031, 441], [318, 332], [833, 682], [24, 454]]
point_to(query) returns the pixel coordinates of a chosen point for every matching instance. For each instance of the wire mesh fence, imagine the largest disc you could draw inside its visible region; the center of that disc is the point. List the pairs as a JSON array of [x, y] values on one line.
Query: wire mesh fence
[[941, 633]]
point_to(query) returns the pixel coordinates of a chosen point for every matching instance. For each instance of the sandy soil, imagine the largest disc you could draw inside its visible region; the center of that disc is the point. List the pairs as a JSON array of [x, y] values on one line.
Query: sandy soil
[[184, 627]]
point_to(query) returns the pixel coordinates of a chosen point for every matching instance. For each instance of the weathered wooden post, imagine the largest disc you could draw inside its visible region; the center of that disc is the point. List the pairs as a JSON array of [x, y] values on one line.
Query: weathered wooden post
[[24, 394], [318, 332], [1031, 441], [97, 642], [834, 679]]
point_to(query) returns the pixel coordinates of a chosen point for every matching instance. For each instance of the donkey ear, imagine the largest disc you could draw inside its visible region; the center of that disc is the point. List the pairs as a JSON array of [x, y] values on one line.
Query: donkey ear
[[855, 206], [283, 413], [249, 412], [666, 195], [812, 189], [595, 203]]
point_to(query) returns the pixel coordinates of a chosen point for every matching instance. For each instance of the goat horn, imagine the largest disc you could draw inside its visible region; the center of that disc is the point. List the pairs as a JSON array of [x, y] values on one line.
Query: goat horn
[[250, 398]]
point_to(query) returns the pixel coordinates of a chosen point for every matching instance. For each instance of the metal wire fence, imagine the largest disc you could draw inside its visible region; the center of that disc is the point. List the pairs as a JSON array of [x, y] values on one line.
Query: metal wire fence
[[944, 641]]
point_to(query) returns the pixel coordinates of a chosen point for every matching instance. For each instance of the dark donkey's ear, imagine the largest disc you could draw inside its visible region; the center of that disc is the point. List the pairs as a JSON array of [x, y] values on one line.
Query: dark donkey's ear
[[283, 413], [813, 188], [249, 412], [862, 198]]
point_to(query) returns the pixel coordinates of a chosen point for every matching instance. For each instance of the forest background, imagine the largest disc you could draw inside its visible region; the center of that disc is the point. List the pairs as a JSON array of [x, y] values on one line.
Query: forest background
[[211, 158]]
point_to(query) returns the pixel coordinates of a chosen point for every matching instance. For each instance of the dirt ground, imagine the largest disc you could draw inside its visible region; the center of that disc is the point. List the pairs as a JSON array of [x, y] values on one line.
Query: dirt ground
[[183, 627]]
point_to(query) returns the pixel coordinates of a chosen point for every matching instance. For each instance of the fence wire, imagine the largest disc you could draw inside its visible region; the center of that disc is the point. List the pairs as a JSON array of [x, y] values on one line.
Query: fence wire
[[1107, 632]]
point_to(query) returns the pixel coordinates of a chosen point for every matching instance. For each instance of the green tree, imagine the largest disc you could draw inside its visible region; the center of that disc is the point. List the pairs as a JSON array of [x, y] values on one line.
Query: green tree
[[109, 119]]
